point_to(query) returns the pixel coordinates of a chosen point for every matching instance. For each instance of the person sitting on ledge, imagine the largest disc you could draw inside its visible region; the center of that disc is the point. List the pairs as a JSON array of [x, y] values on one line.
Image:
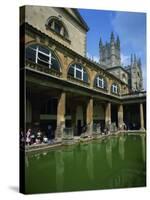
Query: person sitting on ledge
[[32, 137], [22, 138], [45, 139], [28, 137], [39, 137]]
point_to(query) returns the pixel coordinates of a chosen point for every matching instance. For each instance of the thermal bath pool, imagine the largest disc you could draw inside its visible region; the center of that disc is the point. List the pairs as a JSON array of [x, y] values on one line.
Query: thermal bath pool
[[113, 162]]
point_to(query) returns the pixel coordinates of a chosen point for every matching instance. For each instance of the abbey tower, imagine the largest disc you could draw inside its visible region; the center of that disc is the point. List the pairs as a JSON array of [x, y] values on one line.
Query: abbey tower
[[109, 54]]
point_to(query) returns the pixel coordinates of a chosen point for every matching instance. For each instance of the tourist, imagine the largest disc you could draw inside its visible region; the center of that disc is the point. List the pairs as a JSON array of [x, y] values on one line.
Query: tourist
[[32, 138], [39, 137], [45, 139], [124, 126], [49, 132], [84, 128], [28, 135], [22, 138], [105, 130]]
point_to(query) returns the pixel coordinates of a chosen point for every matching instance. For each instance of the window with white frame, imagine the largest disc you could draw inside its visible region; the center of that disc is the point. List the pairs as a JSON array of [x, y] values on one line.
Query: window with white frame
[[78, 72], [100, 82], [43, 56], [114, 88]]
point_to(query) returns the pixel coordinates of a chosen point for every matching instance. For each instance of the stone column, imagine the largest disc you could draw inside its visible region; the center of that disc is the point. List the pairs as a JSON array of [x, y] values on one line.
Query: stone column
[[120, 116], [61, 107], [89, 116], [108, 114], [141, 117]]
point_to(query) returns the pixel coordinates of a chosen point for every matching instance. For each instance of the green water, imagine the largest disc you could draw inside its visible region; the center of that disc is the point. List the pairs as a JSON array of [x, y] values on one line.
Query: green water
[[115, 162]]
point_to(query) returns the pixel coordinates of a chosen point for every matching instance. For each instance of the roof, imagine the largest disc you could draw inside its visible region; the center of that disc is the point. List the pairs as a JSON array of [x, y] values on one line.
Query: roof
[[115, 67], [77, 17], [81, 18]]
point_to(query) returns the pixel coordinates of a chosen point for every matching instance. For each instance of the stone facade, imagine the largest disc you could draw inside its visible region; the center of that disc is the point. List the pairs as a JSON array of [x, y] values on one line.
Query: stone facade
[[120, 72], [135, 74], [38, 17], [78, 102]]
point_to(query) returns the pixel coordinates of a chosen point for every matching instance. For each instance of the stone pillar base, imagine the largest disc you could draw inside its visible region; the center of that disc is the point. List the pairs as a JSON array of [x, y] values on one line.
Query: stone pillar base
[[142, 129], [59, 131], [89, 129]]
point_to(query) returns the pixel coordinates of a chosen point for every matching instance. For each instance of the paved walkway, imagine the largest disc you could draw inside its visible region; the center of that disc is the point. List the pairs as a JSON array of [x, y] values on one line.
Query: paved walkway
[[77, 139]]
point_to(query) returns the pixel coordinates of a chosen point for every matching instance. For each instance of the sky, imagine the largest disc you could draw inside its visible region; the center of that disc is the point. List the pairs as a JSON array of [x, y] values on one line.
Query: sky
[[129, 26]]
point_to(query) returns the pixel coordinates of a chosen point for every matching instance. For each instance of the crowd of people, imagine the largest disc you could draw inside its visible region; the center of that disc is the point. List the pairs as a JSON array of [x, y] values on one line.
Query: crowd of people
[[36, 136]]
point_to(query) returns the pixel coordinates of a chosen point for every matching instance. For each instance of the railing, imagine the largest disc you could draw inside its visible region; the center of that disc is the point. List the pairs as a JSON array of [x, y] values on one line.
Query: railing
[[42, 68]]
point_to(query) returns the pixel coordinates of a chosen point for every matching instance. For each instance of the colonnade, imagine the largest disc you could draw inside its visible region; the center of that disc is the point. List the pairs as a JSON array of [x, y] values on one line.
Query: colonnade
[[61, 107]]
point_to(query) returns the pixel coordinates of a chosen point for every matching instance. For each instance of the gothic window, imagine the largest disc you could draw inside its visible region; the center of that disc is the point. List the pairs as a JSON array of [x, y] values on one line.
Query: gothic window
[[43, 56], [100, 82], [78, 72], [114, 88], [57, 26]]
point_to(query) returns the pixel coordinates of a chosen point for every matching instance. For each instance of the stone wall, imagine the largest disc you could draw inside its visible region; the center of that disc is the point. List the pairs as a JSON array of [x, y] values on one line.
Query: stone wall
[[120, 73], [37, 16]]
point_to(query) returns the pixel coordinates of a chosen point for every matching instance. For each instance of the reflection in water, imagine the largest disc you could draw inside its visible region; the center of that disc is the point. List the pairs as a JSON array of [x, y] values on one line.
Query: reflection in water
[[37, 156], [114, 141], [122, 140], [88, 166], [44, 153], [109, 152], [90, 161], [59, 170], [26, 160], [126, 178], [143, 147]]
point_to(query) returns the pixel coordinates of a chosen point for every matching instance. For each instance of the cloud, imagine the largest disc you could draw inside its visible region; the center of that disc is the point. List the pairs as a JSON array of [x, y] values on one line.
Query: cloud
[[131, 28]]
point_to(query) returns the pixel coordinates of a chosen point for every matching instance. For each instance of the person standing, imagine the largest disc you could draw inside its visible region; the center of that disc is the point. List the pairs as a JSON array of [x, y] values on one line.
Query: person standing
[[49, 132], [28, 137]]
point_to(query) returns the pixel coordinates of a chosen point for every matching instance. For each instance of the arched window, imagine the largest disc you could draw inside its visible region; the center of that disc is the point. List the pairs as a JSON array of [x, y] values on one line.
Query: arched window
[[100, 82], [43, 56], [115, 88], [57, 25], [78, 72]]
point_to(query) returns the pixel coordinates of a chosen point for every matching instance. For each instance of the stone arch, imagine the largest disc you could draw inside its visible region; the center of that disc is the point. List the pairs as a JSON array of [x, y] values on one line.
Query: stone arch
[[54, 18], [83, 66], [48, 47]]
